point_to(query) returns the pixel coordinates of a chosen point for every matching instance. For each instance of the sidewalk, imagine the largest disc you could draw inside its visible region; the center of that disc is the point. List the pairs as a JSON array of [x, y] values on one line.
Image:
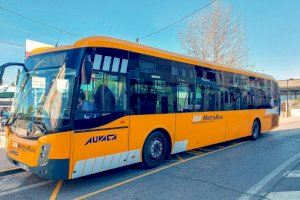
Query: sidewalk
[[4, 163], [288, 123], [289, 119]]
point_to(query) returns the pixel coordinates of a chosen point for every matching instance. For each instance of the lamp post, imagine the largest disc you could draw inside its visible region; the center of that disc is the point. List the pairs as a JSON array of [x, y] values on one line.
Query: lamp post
[[288, 101]]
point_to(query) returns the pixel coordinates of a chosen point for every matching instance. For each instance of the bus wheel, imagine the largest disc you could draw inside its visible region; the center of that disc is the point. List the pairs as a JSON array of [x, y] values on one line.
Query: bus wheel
[[255, 130], [154, 150]]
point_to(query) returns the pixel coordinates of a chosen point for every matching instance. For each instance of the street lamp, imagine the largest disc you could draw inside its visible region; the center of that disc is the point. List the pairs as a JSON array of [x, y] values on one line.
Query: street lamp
[[288, 94]]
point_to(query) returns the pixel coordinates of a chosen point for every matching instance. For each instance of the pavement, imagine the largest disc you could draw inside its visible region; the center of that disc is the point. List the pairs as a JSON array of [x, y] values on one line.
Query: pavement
[[268, 168], [288, 187], [4, 163]]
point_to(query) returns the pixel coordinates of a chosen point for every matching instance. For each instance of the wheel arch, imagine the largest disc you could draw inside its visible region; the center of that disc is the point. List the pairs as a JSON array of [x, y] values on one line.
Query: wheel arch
[[259, 121]]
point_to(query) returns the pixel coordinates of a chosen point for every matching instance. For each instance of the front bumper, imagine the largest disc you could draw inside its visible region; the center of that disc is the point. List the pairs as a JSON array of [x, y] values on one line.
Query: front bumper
[[55, 169]]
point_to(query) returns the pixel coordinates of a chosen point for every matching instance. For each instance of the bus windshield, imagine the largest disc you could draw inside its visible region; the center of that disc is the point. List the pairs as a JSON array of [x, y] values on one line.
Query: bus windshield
[[43, 97]]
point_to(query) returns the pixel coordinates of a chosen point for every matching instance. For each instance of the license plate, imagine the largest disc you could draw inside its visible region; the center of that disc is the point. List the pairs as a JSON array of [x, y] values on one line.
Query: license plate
[[21, 165]]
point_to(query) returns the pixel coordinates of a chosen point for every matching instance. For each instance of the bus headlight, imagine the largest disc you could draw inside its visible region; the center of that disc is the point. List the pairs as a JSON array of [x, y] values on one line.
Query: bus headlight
[[43, 157]]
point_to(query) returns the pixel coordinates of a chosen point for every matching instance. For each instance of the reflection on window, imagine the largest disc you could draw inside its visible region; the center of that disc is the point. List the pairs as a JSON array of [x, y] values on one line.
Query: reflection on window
[[151, 96], [124, 66], [147, 67], [199, 98], [97, 61], [184, 98], [115, 66], [184, 72], [175, 70], [106, 63], [191, 73]]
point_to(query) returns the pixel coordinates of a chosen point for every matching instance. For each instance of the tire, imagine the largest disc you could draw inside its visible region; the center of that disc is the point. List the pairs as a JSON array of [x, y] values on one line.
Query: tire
[[154, 150], [255, 130]]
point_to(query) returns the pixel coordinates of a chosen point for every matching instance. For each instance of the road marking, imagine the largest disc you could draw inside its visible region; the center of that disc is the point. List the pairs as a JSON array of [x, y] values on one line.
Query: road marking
[[179, 157], [24, 188], [291, 195], [293, 174], [152, 172], [56, 190], [263, 182]]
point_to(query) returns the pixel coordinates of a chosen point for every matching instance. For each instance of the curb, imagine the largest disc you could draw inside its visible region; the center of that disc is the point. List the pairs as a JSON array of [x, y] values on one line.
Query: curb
[[11, 171]]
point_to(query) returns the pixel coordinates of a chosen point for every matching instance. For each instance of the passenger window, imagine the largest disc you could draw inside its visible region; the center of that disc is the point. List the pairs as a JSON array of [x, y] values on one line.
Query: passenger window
[[185, 96], [199, 101], [184, 72], [147, 66], [105, 94], [151, 87], [174, 70]]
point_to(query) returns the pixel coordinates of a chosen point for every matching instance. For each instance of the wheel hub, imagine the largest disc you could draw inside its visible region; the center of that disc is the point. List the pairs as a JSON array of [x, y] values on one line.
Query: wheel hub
[[156, 148]]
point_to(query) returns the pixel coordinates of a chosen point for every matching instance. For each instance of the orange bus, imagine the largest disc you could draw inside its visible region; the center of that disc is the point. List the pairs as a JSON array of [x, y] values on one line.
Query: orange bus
[[104, 103]]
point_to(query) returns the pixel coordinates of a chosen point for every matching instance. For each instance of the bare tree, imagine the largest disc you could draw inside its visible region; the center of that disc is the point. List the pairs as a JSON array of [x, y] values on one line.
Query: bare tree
[[216, 36]]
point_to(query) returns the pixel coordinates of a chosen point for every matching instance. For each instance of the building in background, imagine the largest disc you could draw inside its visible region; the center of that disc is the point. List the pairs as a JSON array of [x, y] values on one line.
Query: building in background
[[290, 97], [32, 44], [6, 96]]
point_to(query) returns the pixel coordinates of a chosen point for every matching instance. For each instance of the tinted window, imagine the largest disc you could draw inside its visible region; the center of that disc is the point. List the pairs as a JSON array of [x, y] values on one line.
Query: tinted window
[[185, 96], [151, 87], [175, 70]]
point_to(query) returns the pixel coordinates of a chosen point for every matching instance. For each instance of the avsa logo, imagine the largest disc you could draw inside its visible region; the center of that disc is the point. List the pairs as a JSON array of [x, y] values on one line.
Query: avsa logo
[[101, 138]]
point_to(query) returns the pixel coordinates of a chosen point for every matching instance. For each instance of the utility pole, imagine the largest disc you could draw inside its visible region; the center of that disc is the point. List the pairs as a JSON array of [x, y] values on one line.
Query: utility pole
[[288, 99]]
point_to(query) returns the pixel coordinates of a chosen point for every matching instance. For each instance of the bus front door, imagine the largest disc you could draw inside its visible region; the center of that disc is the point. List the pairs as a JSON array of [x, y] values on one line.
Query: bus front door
[[101, 148]]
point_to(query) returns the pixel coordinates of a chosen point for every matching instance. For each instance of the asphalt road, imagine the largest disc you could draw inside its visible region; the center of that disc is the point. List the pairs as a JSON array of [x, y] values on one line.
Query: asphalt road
[[268, 168]]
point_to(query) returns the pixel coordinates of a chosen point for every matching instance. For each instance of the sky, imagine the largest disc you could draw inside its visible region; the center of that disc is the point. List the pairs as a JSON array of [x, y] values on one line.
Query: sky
[[272, 26]]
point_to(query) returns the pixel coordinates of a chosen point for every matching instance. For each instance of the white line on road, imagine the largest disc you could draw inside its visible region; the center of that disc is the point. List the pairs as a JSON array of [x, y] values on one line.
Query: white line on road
[[263, 182], [293, 174], [24, 188], [290, 195]]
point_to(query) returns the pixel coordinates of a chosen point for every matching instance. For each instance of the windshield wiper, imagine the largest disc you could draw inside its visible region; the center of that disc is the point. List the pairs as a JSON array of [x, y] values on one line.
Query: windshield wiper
[[14, 118], [41, 125]]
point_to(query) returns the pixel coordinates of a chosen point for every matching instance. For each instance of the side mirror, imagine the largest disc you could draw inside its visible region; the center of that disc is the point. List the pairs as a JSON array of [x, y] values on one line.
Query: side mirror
[[86, 71], [4, 66]]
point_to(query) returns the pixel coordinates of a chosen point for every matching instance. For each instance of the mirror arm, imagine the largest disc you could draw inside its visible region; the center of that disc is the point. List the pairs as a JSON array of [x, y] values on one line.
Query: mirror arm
[[2, 67]]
